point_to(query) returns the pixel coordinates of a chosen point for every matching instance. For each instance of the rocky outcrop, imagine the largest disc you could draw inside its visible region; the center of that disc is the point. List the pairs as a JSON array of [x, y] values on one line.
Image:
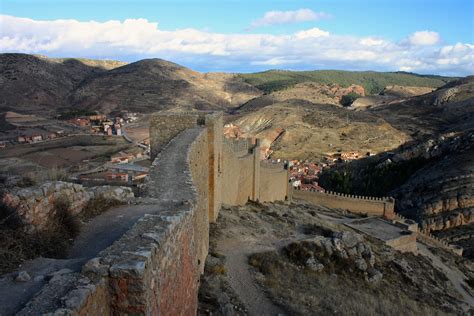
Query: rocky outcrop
[[318, 252], [35, 206], [445, 95], [441, 194]]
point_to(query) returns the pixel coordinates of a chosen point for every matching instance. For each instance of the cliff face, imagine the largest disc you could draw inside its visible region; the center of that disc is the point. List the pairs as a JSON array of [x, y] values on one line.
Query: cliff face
[[441, 194]]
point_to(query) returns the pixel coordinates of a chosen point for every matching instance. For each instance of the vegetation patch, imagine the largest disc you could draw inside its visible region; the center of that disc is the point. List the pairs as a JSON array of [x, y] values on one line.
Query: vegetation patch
[[372, 179], [340, 292], [373, 82], [17, 245]]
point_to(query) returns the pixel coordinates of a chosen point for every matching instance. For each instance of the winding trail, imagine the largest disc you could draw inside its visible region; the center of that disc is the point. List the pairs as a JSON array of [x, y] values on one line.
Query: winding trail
[[241, 279]]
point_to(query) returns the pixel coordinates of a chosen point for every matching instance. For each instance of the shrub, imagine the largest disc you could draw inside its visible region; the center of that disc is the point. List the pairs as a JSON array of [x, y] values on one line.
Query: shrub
[[54, 241], [348, 99]]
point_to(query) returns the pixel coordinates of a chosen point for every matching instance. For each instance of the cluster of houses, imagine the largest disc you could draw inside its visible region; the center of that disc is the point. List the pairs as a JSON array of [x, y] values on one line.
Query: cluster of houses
[[304, 175], [126, 157], [124, 168], [101, 124], [38, 137]]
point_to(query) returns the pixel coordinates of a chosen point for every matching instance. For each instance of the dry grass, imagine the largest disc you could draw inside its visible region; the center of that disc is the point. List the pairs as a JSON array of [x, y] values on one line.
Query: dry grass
[[16, 245], [97, 206], [305, 292], [53, 174]]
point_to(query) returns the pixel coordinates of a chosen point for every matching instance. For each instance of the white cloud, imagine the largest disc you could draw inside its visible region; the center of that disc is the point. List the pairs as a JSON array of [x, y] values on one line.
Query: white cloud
[[287, 17], [135, 39], [311, 33], [424, 38]]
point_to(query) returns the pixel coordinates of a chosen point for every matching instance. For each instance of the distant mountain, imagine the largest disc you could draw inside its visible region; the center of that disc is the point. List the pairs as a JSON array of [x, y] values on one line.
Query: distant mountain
[[450, 108], [31, 83], [373, 82], [154, 84]]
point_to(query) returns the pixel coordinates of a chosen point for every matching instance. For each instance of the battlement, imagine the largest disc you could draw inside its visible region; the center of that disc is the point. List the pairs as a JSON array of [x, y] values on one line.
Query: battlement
[[239, 146], [384, 206], [351, 196]]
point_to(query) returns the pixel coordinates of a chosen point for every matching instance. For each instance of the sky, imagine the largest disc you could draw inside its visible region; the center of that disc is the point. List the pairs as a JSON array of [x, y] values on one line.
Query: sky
[[423, 36]]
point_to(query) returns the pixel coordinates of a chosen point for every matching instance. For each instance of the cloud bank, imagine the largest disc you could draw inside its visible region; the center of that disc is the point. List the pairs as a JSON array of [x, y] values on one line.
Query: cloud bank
[[134, 39], [288, 17]]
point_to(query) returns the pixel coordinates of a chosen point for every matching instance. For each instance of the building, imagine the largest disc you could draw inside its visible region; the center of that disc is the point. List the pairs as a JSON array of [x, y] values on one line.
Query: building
[[22, 139], [134, 172], [117, 176], [83, 122], [36, 138], [97, 118]]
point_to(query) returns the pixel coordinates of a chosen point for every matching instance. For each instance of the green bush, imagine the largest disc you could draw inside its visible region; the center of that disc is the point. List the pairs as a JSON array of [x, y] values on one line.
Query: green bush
[[373, 82], [347, 99]]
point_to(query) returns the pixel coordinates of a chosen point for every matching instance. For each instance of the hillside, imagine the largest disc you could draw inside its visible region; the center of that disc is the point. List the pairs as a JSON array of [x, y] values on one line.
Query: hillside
[[305, 91], [296, 259], [154, 84], [32, 84], [314, 130], [373, 82], [447, 109]]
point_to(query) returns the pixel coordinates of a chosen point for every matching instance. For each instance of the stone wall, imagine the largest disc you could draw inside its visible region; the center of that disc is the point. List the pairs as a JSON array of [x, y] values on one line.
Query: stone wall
[[35, 206], [358, 204], [154, 268]]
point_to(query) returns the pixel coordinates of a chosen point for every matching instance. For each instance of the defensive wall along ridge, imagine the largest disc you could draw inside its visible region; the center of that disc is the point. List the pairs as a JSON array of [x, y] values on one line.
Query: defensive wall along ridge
[[154, 268], [375, 206]]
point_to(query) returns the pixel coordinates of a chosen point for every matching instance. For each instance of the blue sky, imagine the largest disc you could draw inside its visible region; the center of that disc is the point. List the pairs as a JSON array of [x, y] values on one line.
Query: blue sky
[[445, 47]]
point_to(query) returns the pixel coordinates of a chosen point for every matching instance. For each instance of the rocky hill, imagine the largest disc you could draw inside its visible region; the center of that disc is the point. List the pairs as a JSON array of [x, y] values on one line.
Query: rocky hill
[[154, 84], [447, 109], [307, 91], [299, 259], [30, 83], [373, 82], [39, 84]]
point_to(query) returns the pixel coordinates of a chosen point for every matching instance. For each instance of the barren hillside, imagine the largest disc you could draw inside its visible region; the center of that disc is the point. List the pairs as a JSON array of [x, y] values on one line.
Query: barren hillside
[[34, 83], [313, 130], [296, 259], [29, 83]]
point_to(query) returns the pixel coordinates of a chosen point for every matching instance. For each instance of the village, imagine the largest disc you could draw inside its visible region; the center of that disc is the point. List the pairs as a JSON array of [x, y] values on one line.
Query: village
[[70, 144]]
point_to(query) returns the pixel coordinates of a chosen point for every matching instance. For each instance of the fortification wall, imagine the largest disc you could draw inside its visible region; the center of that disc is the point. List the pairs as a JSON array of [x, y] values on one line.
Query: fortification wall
[[154, 268], [273, 182], [357, 204]]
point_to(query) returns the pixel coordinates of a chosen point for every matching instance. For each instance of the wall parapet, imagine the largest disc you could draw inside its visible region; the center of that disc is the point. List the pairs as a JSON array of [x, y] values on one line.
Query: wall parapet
[[350, 196], [359, 204]]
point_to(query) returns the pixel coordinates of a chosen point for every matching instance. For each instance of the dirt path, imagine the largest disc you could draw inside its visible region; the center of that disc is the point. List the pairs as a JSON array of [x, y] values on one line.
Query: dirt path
[[242, 280], [455, 276]]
